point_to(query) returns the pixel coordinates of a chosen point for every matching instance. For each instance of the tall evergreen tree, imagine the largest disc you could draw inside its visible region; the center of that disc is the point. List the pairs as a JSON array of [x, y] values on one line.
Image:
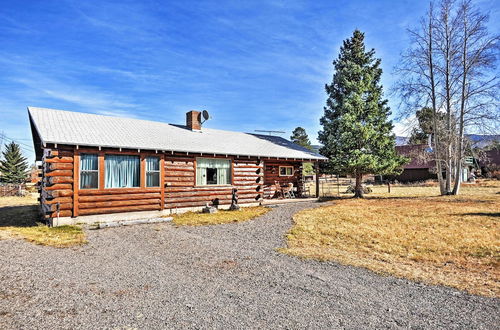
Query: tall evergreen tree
[[13, 166], [357, 133], [299, 136]]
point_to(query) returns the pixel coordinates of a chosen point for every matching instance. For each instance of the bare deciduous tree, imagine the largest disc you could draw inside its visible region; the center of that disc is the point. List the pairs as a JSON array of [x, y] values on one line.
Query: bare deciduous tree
[[450, 67]]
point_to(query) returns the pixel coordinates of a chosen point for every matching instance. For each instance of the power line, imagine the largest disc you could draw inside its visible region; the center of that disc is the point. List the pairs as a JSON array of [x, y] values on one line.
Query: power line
[[16, 141], [23, 146]]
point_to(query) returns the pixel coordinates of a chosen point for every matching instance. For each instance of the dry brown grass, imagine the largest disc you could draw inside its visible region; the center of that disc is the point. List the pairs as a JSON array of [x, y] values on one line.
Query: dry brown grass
[[19, 218], [200, 219], [411, 233]]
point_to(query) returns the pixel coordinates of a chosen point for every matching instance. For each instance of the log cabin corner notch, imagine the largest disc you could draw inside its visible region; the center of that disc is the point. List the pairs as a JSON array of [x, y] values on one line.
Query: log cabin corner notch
[[94, 165]]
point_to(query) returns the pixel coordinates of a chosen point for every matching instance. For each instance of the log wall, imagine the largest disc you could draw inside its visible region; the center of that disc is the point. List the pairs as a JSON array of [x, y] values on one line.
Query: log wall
[[181, 190], [56, 184], [178, 189]]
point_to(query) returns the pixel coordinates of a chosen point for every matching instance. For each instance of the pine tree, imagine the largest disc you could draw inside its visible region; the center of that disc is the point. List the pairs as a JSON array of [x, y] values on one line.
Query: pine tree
[[299, 136], [13, 166], [421, 133], [357, 133]]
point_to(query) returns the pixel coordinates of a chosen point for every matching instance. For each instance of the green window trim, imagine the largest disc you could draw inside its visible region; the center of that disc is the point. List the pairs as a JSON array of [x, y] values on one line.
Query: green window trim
[[213, 172]]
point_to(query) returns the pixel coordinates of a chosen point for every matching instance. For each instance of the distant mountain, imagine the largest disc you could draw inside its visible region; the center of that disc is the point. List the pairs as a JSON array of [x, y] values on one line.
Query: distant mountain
[[478, 140], [481, 141]]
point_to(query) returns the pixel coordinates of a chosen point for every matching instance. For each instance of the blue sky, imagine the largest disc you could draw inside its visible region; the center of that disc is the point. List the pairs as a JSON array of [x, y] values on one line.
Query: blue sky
[[251, 64]]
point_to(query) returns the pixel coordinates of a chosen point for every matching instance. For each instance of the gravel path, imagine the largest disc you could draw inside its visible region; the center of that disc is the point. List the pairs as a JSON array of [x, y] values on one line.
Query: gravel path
[[224, 276]]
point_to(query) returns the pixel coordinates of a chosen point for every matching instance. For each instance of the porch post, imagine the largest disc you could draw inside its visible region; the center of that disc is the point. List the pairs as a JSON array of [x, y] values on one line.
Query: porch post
[[316, 171]]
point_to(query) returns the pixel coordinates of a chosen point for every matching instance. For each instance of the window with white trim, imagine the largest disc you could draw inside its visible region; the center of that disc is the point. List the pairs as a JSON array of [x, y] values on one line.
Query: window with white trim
[[89, 171], [286, 170], [213, 171], [152, 171]]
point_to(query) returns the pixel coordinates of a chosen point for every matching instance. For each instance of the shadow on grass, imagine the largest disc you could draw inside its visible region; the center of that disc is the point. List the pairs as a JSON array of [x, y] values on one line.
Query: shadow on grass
[[484, 214], [19, 216]]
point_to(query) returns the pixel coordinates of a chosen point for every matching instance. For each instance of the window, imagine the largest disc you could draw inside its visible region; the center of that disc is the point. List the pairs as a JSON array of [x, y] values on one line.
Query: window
[[89, 171], [286, 170], [152, 172], [122, 171], [211, 171]]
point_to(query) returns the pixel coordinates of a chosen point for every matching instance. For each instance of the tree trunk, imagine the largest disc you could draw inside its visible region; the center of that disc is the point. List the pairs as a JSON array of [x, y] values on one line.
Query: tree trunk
[[358, 188], [437, 153], [463, 98]]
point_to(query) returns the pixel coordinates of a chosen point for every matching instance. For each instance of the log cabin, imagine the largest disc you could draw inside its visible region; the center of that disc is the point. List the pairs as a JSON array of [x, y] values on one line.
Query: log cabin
[[97, 168]]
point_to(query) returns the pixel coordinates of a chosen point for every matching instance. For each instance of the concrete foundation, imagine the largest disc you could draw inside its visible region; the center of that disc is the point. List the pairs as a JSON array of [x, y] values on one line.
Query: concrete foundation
[[127, 216]]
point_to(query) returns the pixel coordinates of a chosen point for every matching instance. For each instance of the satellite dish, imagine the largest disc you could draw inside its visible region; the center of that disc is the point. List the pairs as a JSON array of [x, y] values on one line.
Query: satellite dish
[[205, 115]]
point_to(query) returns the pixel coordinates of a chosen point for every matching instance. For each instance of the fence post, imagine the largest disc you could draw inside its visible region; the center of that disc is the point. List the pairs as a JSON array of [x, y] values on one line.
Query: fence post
[[316, 170]]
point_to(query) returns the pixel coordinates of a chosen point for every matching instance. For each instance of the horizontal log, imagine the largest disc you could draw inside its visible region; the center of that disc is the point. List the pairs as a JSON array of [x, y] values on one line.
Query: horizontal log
[[103, 198], [60, 179], [169, 174], [117, 191], [60, 200], [248, 177], [181, 184], [188, 180], [89, 205], [60, 153], [107, 210], [207, 193], [236, 165], [59, 186], [179, 160], [57, 193], [59, 173], [178, 168], [59, 160], [208, 188], [59, 166], [244, 182], [248, 170], [63, 213], [63, 206], [204, 199]]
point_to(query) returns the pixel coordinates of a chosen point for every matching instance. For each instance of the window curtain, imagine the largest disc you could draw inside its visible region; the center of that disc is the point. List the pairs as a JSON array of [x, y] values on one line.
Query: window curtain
[[223, 167], [152, 172], [88, 171], [122, 171]]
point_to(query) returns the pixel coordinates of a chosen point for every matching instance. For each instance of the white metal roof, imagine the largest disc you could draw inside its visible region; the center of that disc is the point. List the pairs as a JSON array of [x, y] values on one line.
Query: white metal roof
[[84, 129]]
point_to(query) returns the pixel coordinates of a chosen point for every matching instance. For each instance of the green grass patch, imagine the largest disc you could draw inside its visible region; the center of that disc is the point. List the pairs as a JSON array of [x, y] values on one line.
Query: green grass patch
[[19, 218]]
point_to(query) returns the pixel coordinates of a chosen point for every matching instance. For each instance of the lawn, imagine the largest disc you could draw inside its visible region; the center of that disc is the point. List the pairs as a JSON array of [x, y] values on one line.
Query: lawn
[[19, 218], [222, 216], [412, 233]]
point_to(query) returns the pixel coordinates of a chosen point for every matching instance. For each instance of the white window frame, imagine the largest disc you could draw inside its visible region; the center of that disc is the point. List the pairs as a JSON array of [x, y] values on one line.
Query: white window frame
[[146, 172], [80, 170], [286, 174]]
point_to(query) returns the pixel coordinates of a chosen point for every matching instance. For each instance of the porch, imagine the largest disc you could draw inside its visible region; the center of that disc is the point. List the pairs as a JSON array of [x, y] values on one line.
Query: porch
[[285, 181]]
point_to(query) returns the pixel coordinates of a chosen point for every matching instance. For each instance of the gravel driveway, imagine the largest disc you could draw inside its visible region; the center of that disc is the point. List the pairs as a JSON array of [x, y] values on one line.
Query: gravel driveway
[[224, 276]]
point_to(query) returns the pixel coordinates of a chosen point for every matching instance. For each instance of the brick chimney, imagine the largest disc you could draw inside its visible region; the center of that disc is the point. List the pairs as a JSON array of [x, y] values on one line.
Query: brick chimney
[[193, 120]]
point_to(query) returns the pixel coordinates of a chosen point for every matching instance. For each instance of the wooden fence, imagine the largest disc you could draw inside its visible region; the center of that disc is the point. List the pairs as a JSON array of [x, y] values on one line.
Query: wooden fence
[[12, 190]]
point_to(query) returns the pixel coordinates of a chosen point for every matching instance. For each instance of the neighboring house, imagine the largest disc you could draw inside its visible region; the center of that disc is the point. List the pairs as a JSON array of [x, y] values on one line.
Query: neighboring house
[[94, 164], [420, 167], [490, 163]]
